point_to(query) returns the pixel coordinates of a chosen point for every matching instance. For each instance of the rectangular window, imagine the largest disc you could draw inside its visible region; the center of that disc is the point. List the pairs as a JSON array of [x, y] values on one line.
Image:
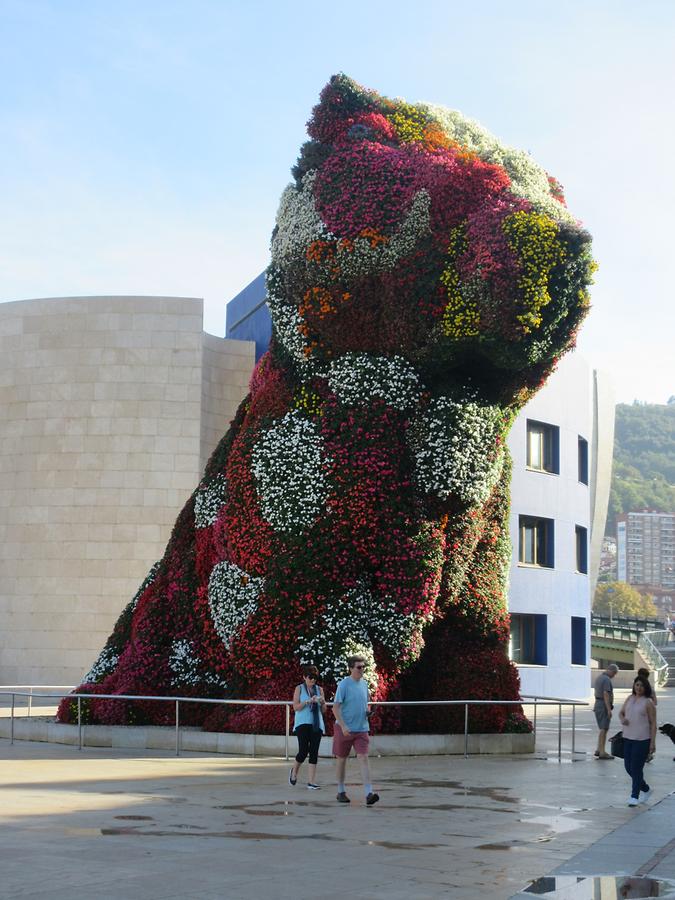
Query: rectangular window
[[582, 549], [543, 442], [578, 641], [528, 639], [535, 545], [583, 460]]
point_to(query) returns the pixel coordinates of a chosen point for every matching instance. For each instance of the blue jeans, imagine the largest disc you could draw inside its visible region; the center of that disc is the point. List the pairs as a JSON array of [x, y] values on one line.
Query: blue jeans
[[635, 755]]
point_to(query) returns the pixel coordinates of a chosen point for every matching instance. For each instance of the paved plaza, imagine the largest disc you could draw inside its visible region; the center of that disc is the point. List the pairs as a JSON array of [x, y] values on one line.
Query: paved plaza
[[122, 824]]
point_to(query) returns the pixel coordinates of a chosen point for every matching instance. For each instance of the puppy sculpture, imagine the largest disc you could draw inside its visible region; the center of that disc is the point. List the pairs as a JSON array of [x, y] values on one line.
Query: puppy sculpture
[[424, 281]]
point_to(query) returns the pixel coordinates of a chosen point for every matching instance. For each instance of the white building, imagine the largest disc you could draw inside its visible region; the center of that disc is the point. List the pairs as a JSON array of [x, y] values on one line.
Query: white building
[[561, 445]]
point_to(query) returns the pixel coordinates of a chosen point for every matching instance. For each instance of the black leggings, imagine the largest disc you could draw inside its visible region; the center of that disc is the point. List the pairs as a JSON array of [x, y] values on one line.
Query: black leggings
[[308, 742]]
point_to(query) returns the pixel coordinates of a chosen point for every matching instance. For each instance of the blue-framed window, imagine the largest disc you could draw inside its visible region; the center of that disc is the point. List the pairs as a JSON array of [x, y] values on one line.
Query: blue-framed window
[[529, 639], [543, 447], [578, 641], [535, 542], [581, 537], [583, 460]]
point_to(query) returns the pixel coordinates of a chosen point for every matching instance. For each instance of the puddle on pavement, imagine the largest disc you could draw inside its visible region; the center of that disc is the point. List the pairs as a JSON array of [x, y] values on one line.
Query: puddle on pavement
[[392, 845], [515, 844], [135, 818], [267, 812], [134, 831], [602, 887], [557, 824], [318, 806], [239, 835], [492, 793]]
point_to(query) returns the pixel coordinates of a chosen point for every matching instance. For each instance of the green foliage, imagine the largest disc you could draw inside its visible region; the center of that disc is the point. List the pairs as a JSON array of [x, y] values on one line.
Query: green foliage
[[643, 475], [625, 601]]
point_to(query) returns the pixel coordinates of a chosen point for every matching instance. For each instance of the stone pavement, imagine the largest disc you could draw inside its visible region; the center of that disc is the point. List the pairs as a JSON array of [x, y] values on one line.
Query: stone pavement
[[106, 824]]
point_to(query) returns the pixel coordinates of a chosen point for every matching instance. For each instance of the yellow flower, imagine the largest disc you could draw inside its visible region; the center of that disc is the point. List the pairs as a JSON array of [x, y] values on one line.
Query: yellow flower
[[533, 237], [461, 318]]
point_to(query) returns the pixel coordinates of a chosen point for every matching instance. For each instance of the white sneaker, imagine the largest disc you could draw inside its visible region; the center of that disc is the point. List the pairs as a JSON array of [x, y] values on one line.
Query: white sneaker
[[313, 787], [633, 801], [645, 795]]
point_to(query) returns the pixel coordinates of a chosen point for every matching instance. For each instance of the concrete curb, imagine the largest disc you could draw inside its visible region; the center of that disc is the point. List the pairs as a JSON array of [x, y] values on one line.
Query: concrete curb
[[164, 738]]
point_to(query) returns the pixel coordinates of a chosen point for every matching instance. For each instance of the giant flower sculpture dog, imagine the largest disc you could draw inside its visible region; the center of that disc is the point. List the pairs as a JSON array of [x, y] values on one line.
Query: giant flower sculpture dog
[[424, 281]]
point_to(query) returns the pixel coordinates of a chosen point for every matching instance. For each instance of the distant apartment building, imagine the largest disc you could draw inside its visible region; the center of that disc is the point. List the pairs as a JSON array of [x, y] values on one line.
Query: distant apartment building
[[608, 560], [646, 553]]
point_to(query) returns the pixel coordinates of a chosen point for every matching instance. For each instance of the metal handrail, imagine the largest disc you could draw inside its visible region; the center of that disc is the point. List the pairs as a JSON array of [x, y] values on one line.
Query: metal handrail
[[538, 701], [4, 688], [648, 646]]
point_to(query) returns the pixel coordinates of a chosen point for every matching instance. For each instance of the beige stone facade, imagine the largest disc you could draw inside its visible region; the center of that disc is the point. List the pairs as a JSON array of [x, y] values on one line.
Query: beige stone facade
[[109, 409]]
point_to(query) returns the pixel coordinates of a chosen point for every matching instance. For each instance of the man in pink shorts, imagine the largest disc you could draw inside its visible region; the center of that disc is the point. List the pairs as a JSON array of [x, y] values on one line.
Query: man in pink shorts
[[351, 728]]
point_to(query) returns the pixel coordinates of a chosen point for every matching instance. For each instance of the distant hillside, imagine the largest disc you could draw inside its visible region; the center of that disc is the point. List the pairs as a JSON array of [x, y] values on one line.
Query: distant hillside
[[643, 473]]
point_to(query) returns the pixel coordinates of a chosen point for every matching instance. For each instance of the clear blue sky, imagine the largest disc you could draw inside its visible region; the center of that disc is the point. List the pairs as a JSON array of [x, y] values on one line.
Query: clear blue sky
[[144, 143]]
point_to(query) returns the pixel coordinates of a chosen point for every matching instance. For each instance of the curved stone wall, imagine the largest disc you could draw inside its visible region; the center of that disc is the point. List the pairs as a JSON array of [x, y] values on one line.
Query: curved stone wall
[[109, 408]]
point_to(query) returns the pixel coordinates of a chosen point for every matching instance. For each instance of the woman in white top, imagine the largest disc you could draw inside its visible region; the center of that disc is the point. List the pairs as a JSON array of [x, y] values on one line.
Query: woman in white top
[[638, 718]]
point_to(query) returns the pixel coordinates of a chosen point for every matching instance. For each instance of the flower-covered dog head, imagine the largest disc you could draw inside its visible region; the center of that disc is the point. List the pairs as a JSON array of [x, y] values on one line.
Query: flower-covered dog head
[[410, 231]]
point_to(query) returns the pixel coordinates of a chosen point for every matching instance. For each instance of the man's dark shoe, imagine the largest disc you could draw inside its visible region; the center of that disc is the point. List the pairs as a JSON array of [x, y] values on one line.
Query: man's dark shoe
[[371, 799], [343, 798]]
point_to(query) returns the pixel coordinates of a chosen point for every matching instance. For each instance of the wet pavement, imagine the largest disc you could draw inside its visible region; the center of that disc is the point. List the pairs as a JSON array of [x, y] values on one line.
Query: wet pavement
[[122, 824]]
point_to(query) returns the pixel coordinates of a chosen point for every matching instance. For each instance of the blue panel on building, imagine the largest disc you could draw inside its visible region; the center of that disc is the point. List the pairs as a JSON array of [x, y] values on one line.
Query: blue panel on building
[[579, 627], [248, 318]]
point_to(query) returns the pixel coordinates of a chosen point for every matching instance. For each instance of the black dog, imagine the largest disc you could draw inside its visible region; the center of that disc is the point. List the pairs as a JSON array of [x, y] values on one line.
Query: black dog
[[668, 730]]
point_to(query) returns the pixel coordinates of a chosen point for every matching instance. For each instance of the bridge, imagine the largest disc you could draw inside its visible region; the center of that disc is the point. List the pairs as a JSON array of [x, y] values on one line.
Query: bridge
[[618, 638]]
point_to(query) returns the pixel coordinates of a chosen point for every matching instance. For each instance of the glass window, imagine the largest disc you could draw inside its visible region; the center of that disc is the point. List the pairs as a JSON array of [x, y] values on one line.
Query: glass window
[[535, 547], [583, 460], [578, 641], [582, 549], [528, 640], [543, 447]]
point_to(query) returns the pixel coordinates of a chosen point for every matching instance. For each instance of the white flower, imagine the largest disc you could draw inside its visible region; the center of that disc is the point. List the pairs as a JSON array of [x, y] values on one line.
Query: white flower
[[287, 326], [186, 669], [298, 222], [209, 500], [456, 449], [352, 623], [105, 665], [356, 378], [289, 464], [528, 179], [233, 598]]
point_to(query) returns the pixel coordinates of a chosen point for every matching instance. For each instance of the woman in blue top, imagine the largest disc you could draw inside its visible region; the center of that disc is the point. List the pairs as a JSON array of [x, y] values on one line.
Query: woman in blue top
[[309, 705]]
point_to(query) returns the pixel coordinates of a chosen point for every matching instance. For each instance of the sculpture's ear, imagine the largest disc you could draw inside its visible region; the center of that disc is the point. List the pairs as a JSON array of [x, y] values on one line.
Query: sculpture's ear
[[340, 101]]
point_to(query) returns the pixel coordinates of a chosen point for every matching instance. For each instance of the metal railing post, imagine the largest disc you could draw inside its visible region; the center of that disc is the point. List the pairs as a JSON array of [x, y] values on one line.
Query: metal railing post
[[177, 729], [535, 720], [560, 732], [288, 727], [574, 728], [466, 730], [11, 726], [79, 723], [30, 701]]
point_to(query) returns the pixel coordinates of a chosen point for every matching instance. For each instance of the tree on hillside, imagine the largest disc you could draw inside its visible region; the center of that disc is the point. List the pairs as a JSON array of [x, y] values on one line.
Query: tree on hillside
[[625, 600], [643, 474]]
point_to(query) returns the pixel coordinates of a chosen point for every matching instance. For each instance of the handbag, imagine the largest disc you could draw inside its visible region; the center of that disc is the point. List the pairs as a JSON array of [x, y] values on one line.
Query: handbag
[[616, 743]]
